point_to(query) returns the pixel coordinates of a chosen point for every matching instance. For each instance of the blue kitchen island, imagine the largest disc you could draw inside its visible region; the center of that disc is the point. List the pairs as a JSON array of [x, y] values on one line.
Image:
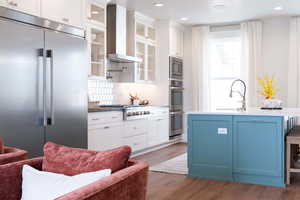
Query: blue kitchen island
[[244, 146]]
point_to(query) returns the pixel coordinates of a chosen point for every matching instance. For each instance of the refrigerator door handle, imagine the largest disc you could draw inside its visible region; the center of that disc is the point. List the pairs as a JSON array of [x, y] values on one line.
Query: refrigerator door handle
[[42, 65], [50, 120]]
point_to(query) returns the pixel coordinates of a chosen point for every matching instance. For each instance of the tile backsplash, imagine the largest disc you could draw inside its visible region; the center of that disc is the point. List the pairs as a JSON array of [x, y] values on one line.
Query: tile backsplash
[[101, 90], [107, 92]]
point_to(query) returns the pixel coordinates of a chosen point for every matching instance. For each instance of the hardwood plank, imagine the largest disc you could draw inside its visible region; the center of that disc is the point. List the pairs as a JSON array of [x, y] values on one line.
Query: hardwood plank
[[163, 186]]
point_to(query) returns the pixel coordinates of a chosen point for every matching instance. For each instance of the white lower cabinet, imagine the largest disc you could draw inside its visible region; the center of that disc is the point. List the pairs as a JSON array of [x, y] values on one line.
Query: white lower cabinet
[[107, 130], [105, 137], [158, 130], [137, 142]]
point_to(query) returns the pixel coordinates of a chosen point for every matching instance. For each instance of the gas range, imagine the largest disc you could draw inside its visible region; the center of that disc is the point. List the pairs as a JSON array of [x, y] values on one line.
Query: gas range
[[131, 112], [136, 112]]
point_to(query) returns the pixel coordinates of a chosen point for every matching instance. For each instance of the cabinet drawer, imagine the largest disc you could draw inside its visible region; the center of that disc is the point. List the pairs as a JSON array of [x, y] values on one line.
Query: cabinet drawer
[[138, 127], [105, 137], [104, 117], [137, 143]]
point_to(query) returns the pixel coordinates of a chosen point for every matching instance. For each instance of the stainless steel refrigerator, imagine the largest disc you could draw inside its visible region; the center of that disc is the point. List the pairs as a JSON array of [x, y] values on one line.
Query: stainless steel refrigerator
[[43, 83]]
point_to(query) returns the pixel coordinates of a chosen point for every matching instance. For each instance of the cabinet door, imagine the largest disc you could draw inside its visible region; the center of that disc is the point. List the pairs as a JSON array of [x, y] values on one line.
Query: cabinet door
[[210, 146], [151, 62], [96, 13], [141, 53], [158, 130], [163, 130], [141, 30], [176, 42], [97, 50], [104, 138], [27, 6], [258, 147], [66, 11]]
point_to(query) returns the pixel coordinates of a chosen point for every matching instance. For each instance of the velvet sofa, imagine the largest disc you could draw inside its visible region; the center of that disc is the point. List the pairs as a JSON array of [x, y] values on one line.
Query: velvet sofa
[[126, 184], [11, 154]]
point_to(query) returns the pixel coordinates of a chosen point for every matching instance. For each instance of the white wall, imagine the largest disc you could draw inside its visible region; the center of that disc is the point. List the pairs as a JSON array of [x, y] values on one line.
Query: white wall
[[276, 52], [188, 81]]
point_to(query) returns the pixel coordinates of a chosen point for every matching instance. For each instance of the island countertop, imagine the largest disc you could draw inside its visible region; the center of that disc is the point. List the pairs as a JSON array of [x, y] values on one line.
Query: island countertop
[[285, 112]]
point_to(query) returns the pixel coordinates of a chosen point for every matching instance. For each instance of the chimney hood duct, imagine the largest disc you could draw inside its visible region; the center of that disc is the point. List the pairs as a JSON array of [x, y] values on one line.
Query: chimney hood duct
[[116, 35]]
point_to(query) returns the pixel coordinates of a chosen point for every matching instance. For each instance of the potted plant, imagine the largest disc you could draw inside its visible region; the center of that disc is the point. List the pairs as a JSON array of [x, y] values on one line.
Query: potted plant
[[268, 91]]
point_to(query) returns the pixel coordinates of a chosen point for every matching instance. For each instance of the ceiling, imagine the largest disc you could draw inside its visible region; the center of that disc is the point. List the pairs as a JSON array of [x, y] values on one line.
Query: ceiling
[[203, 11]]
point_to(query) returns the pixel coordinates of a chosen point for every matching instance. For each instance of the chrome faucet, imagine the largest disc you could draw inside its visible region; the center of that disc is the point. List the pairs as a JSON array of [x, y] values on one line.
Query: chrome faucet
[[243, 95]]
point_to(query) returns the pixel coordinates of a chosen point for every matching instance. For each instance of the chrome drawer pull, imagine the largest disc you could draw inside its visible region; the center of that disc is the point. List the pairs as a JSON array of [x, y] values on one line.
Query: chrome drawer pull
[[65, 20]]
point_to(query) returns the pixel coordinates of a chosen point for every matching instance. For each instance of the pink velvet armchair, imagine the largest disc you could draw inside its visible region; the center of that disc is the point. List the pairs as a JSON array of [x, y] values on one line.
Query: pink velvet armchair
[[10, 154], [126, 184]]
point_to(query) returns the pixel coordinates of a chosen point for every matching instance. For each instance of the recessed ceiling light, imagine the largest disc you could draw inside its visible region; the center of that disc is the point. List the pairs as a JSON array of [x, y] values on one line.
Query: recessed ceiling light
[[158, 4], [278, 8], [184, 19]]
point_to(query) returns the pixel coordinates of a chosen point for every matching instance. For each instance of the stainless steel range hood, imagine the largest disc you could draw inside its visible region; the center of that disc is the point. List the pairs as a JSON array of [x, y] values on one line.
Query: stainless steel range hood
[[116, 35]]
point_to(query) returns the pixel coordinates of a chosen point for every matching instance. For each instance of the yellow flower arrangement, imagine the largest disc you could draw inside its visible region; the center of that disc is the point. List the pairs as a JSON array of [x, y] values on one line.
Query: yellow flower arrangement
[[267, 85]]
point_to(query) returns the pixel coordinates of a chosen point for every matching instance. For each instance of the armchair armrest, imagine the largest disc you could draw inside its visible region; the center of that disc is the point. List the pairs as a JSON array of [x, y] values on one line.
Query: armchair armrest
[[11, 178], [12, 155], [127, 184]]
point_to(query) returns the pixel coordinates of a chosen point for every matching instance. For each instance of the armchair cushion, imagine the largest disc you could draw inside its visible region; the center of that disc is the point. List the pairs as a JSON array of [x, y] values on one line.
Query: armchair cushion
[[73, 161], [54, 185]]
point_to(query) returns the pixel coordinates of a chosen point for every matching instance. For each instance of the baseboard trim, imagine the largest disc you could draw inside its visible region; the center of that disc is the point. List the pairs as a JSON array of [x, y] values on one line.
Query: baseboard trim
[[157, 147]]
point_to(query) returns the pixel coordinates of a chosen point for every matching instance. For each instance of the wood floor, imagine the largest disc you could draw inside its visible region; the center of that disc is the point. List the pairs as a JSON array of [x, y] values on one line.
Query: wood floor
[[163, 186]]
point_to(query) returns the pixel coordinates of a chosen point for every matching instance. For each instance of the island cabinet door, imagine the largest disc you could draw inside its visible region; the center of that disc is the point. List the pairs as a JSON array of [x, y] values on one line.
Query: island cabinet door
[[258, 150], [210, 147]]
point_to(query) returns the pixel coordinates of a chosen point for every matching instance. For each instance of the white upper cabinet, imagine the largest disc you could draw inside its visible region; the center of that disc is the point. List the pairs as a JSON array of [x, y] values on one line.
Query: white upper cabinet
[[96, 37], [141, 37], [176, 40], [64, 11], [96, 13], [27, 6]]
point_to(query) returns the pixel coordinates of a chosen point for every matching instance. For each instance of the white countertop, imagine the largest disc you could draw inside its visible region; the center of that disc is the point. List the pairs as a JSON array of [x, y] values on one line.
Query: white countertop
[[290, 112]]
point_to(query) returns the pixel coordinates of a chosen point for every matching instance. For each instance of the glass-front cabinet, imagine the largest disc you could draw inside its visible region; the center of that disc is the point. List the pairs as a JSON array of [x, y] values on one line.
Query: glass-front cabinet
[[96, 13], [96, 36], [97, 51], [144, 37], [151, 59], [141, 53]]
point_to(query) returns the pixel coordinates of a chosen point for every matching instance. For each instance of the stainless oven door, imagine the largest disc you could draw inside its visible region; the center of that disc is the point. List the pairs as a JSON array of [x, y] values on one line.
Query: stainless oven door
[[176, 98], [176, 68], [176, 123]]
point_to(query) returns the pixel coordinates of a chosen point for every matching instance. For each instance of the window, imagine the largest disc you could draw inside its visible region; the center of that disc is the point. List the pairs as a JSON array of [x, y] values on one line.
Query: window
[[225, 67]]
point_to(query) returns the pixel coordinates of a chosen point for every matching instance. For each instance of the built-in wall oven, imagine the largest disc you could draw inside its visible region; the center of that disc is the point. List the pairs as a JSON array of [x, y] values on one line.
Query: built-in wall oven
[[176, 123], [176, 97], [176, 68]]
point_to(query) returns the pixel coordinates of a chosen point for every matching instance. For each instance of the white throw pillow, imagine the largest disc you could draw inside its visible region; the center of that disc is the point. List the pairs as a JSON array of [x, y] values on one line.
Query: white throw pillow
[[39, 185]]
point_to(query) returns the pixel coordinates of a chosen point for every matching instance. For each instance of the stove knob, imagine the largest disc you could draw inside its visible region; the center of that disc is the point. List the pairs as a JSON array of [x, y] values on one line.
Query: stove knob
[[129, 114]]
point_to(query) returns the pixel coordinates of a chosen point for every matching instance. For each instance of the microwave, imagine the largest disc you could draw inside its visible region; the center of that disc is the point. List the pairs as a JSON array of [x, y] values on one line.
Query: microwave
[[176, 68]]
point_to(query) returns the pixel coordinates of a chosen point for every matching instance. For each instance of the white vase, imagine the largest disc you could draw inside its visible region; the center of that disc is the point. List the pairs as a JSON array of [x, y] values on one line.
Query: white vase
[[136, 102], [272, 103]]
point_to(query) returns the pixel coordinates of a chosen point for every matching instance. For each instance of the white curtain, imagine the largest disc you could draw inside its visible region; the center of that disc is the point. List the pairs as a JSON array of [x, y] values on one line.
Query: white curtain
[[294, 64], [200, 67], [252, 32]]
